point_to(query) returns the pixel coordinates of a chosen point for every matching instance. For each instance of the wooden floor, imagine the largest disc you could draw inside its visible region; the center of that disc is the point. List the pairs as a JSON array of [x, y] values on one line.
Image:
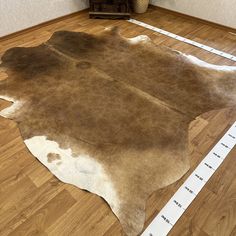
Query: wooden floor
[[34, 202]]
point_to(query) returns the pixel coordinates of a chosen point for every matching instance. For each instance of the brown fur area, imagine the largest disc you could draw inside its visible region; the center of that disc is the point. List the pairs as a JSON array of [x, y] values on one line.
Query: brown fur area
[[126, 105], [53, 157]]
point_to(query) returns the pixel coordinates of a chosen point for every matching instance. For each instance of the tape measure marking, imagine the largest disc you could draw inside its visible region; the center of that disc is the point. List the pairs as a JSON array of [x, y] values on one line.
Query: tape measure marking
[[185, 40], [176, 206]]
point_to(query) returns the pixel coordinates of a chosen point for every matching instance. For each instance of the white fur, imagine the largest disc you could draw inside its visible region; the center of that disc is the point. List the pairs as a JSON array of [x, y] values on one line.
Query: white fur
[[199, 62], [139, 39], [81, 171], [7, 112]]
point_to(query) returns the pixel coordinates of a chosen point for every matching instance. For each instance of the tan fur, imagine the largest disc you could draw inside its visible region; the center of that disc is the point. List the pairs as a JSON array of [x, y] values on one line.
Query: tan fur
[[53, 156], [126, 104]]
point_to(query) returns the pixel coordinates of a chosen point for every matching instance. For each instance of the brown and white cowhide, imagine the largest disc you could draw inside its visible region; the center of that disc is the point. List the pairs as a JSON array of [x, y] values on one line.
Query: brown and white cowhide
[[110, 114]]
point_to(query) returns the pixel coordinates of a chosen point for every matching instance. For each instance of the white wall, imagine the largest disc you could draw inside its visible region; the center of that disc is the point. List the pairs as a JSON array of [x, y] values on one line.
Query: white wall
[[219, 11], [16, 15]]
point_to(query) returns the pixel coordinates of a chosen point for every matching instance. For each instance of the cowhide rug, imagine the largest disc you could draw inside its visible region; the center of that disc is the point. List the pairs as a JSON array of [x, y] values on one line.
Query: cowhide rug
[[110, 114]]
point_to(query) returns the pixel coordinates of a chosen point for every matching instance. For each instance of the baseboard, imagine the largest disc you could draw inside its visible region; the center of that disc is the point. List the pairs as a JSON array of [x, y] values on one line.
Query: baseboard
[[15, 34], [229, 29]]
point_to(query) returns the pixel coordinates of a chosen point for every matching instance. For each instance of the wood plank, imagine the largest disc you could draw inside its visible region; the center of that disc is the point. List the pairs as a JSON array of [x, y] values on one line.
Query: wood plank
[[45, 216]]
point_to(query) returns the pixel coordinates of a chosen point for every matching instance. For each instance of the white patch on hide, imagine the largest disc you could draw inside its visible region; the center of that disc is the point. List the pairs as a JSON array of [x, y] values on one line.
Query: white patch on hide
[[7, 112], [201, 63], [81, 171], [218, 89], [139, 39]]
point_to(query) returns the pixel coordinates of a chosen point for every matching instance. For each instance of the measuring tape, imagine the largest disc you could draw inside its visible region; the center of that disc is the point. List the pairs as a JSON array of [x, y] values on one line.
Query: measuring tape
[[185, 40], [174, 209]]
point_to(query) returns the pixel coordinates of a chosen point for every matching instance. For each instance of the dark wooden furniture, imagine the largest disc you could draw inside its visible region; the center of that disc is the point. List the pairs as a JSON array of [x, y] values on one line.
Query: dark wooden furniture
[[109, 9]]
